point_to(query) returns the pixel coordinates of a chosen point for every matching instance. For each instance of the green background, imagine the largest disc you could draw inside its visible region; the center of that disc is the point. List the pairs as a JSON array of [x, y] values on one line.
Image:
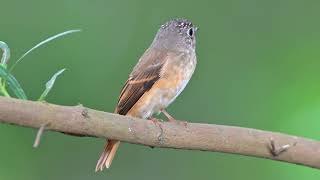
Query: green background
[[258, 67]]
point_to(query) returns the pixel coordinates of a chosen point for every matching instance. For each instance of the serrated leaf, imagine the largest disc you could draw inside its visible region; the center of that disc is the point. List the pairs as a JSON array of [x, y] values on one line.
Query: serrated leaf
[[12, 83], [50, 84], [42, 43]]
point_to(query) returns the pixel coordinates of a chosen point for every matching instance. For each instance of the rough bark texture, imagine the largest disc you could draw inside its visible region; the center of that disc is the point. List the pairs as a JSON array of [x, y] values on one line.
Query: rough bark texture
[[82, 121]]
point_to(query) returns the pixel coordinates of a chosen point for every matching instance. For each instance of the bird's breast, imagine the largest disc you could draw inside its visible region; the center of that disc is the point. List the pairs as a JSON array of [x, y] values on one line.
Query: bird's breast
[[178, 75], [174, 78]]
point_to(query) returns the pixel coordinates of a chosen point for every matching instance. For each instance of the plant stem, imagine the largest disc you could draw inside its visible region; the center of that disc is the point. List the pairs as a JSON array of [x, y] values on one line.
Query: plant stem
[[3, 89], [5, 92]]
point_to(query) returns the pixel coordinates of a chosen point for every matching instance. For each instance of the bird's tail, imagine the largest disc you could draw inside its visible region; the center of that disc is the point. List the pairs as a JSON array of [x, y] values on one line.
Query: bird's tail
[[107, 155]]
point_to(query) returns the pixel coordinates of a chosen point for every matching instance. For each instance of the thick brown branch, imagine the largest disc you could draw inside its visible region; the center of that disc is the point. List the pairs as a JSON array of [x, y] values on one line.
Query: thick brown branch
[[78, 120]]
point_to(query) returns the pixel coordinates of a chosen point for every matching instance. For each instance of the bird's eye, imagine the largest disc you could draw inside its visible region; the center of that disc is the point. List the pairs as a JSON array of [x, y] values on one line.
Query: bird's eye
[[190, 32]]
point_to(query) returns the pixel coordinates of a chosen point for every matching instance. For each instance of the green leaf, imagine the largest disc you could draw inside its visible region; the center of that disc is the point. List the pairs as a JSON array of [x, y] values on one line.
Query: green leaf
[[42, 43], [12, 83], [50, 84], [6, 53]]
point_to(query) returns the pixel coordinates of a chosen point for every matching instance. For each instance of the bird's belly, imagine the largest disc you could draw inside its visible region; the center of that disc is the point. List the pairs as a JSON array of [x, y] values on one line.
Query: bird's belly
[[163, 92]]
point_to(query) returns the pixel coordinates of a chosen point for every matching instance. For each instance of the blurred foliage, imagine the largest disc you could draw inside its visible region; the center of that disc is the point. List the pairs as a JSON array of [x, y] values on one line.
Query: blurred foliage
[[258, 67], [49, 85], [10, 80], [6, 77]]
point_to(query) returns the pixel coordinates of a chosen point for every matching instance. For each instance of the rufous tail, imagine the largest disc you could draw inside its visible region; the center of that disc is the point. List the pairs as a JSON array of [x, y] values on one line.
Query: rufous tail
[[107, 155]]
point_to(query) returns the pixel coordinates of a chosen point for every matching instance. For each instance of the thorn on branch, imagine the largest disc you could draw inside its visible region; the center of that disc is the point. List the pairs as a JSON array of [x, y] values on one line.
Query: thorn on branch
[[276, 151], [39, 134]]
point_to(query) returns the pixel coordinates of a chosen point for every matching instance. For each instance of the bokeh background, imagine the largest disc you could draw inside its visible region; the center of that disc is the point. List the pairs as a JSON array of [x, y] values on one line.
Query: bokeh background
[[258, 67]]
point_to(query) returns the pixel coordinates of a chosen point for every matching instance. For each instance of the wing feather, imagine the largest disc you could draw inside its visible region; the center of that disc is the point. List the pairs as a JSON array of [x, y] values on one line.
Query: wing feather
[[142, 78]]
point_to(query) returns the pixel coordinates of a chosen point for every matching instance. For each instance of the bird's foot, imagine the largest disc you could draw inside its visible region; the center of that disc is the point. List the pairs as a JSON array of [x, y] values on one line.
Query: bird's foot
[[172, 119], [168, 116], [155, 120]]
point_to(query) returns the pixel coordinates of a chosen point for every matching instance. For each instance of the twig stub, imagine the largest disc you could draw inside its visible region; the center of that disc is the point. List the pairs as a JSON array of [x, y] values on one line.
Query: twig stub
[[38, 136], [276, 151]]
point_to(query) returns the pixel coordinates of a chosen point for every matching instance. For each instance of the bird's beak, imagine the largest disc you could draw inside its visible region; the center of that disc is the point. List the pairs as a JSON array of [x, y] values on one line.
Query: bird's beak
[[196, 29]]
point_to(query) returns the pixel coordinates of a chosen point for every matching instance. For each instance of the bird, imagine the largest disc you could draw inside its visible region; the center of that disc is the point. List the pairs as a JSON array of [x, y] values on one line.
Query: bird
[[161, 74]]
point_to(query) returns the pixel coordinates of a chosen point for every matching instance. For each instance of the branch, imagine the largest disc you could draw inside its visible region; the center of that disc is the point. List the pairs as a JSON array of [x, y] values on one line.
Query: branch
[[82, 121]]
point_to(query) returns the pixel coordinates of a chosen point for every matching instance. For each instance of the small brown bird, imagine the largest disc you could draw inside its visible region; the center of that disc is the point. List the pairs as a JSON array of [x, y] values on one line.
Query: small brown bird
[[161, 74]]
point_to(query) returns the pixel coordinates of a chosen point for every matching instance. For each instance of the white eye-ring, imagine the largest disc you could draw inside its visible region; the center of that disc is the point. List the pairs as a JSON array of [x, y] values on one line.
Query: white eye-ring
[[191, 32]]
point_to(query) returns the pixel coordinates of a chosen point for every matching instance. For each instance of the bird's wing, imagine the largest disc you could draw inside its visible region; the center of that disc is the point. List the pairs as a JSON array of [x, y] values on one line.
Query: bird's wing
[[142, 78]]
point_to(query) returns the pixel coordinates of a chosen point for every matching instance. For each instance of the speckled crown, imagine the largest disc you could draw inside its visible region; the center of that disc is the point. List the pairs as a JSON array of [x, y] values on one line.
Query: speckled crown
[[179, 22]]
